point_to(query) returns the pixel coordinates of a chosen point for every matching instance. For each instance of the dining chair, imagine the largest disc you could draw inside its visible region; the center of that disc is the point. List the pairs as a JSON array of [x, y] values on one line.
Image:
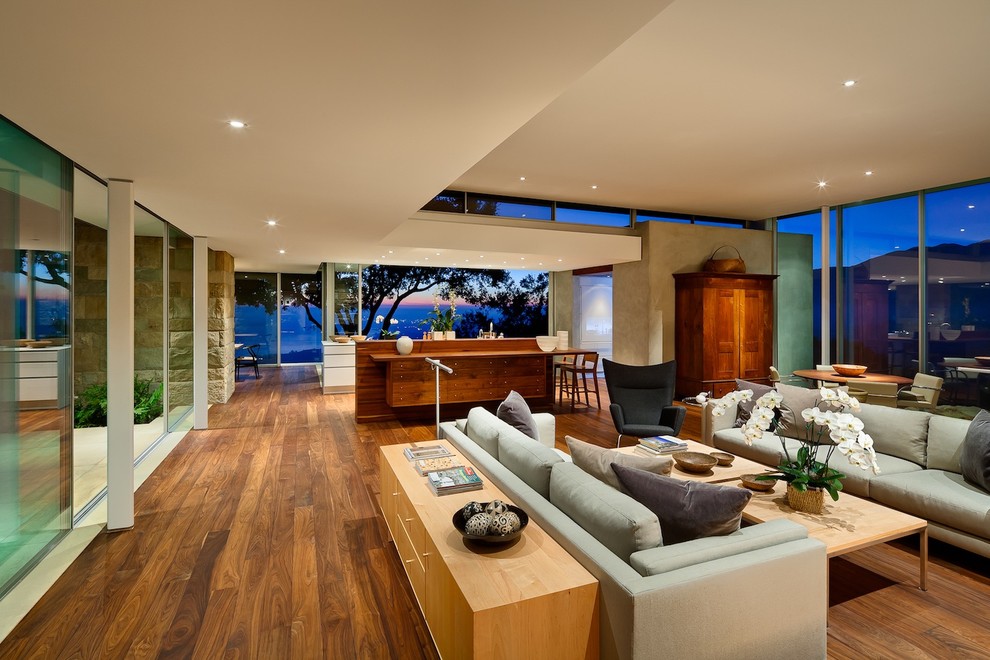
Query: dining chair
[[923, 393], [879, 394], [249, 360]]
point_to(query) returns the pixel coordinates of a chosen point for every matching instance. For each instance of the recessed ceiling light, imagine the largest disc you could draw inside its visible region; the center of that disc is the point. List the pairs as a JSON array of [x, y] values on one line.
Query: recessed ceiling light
[[594, 187], [438, 254], [540, 264], [559, 260], [271, 222], [868, 172], [822, 184], [281, 251], [390, 251], [236, 123], [522, 178], [849, 83], [426, 258]]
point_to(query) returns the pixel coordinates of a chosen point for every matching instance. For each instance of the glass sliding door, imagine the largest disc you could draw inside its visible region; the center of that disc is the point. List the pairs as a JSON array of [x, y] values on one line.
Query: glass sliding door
[[35, 351], [256, 315], [149, 329], [89, 336], [880, 259], [180, 325], [592, 328], [302, 318]]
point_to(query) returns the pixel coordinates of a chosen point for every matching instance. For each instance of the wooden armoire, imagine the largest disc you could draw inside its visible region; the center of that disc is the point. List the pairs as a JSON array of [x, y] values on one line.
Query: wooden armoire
[[723, 330]]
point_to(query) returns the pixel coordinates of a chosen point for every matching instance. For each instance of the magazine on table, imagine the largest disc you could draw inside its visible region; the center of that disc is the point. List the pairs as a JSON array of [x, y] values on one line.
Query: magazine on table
[[426, 465], [454, 480], [421, 453]]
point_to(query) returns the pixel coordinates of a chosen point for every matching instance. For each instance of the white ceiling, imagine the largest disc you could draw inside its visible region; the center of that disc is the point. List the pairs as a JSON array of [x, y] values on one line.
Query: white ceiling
[[358, 113]]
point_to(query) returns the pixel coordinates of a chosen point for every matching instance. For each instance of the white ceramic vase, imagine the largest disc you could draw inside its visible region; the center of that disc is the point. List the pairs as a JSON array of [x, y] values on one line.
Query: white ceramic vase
[[450, 334], [404, 345], [438, 334]]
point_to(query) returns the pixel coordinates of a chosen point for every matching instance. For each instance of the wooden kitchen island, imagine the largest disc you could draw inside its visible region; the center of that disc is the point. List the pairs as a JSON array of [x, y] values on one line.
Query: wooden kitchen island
[[393, 386]]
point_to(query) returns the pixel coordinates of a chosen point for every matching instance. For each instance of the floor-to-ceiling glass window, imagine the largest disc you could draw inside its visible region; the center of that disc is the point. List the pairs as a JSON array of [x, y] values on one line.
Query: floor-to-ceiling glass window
[[256, 315], [35, 373], [957, 233], [149, 329], [346, 290], [89, 332], [302, 318], [180, 325], [880, 273]]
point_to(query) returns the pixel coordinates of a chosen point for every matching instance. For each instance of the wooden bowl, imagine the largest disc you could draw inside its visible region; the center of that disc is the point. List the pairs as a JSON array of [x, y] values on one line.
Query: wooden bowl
[[493, 539], [849, 369], [722, 457], [342, 339], [694, 461], [358, 337], [749, 481], [983, 359], [39, 343]]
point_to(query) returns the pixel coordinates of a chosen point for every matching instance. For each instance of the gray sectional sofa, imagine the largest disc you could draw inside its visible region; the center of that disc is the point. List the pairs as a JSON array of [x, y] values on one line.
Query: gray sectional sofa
[[918, 454], [714, 597]]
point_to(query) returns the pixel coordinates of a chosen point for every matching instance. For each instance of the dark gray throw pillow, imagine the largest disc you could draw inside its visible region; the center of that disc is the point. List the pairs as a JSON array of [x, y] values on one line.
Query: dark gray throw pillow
[[975, 459], [745, 408], [515, 412], [686, 509]]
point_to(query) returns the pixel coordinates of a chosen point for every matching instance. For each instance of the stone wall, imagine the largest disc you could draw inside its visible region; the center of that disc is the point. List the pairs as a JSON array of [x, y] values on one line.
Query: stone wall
[[149, 285], [220, 326], [180, 323], [89, 306]]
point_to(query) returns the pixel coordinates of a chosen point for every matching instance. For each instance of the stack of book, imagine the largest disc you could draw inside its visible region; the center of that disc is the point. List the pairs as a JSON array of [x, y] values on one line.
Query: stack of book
[[426, 465], [660, 445], [454, 480], [420, 453]]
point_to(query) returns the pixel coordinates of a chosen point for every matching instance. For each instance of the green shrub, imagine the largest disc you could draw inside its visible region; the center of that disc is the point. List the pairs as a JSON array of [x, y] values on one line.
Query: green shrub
[[91, 404]]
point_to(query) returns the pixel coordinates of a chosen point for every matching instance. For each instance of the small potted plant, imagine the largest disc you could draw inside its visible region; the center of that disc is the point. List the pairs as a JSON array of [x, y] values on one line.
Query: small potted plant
[[442, 322], [829, 425]]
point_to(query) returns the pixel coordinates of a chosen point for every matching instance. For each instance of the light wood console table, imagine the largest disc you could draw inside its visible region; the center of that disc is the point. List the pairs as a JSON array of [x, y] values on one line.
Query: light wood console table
[[529, 599]]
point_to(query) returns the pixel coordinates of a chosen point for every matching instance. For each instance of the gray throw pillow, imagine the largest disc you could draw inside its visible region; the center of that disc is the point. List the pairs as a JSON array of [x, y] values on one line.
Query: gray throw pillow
[[975, 459], [515, 412], [687, 510], [795, 400], [745, 408], [597, 461]]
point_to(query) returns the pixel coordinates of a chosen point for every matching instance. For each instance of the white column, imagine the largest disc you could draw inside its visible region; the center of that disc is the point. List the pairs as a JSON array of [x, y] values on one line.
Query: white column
[[826, 306], [201, 293], [120, 355]]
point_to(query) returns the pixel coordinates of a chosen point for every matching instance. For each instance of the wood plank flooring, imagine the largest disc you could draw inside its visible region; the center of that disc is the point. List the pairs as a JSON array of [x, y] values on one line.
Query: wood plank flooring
[[261, 538]]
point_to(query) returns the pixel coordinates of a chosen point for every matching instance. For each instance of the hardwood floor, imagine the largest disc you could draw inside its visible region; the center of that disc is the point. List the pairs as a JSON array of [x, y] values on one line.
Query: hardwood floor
[[261, 538]]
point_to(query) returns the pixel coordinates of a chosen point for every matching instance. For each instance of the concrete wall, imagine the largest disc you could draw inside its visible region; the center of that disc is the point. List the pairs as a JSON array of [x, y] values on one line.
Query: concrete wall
[[643, 323], [794, 312], [562, 312]]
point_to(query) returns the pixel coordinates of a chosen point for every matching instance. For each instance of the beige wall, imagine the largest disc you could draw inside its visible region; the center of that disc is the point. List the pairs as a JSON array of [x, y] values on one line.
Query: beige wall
[[562, 313], [643, 292]]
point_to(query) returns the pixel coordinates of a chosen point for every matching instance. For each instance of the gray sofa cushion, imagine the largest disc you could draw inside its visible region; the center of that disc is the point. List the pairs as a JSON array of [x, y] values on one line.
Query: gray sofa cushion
[[897, 432], [672, 557], [527, 459], [936, 495], [515, 412], [597, 461], [857, 480], [687, 510], [795, 400], [975, 459], [617, 521], [945, 441], [482, 427]]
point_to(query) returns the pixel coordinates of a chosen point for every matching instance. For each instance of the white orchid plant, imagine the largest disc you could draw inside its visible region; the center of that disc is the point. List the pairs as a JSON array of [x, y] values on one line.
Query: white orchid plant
[[829, 423], [385, 332]]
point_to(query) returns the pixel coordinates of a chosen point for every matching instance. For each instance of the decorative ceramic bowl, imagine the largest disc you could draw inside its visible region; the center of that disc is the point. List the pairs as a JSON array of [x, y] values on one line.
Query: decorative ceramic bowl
[[358, 337], [983, 359], [722, 457], [749, 481], [459, 523], [341, 339], [546, 343], [849, 369], [694, 461], [950, 335]]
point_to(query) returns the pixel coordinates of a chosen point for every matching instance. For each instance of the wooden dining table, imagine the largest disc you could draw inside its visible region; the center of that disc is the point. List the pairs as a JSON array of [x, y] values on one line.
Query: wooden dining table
[[830, 376]]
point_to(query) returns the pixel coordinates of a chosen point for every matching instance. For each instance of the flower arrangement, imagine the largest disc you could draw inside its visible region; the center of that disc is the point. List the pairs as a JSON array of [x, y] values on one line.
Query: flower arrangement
[[829, 423], [385, 333], [442, 321]]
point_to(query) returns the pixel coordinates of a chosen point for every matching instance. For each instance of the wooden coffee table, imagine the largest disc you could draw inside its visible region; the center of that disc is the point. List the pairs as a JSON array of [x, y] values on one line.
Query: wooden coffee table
[[717, 474], [850, 524]]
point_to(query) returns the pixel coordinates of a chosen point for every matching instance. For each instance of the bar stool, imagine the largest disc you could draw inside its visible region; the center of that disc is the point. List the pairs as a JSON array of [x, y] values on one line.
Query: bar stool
[[575, 376]]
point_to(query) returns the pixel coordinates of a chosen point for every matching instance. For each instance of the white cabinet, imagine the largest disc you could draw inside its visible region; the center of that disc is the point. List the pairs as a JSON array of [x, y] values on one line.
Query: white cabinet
[[42, 377], [338, 367]]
